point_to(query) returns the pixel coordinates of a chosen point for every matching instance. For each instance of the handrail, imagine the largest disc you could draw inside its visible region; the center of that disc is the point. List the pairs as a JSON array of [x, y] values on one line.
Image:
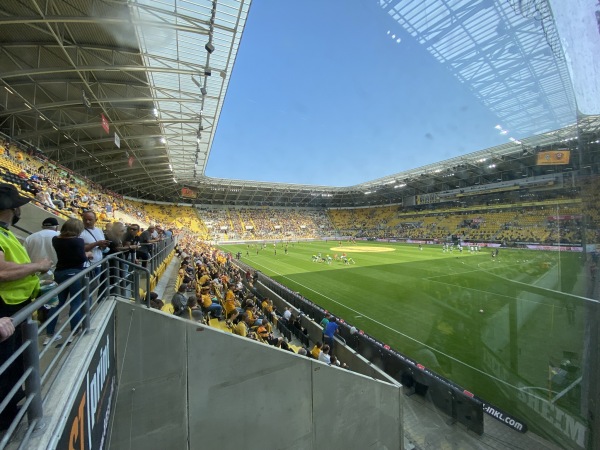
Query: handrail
[[26, 312], [114, 275]]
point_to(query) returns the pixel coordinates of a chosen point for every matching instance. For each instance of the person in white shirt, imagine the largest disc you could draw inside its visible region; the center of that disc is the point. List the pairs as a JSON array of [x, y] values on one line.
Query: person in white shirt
[[93, 237], [39, 244], [43, 196], [287, 314], [324, 355]]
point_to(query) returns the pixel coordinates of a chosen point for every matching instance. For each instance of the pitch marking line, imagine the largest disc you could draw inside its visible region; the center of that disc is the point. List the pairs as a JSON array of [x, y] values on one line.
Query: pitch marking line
[[482, 291], [395, 331], [497, 295], [363, 249], [455, 273]]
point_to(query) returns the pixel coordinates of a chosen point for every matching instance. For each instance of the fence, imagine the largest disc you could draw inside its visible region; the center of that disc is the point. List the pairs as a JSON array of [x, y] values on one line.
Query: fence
[[116, 275]]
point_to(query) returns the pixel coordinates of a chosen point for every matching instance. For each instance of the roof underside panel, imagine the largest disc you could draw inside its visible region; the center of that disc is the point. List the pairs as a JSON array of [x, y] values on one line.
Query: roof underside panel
[[193, 62], [506, 55], [158, 71], [68, 63]]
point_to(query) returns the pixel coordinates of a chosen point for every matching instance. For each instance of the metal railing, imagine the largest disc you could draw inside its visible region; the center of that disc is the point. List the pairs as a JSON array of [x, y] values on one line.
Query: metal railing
[[115, 276]]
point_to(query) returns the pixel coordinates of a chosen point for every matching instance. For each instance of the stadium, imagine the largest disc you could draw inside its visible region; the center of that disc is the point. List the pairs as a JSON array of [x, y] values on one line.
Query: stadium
[[465, 287]]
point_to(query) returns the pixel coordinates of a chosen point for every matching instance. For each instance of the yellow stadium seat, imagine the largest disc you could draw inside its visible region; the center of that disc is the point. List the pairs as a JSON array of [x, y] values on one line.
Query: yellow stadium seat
[[168, 308]]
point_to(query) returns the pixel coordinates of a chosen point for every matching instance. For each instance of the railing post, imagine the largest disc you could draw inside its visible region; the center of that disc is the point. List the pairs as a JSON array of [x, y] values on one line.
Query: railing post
[[112, 278], [31, 358], [121, 276], [146, 301], [104, 279], [86, 302], [136, 285], [153, 257]]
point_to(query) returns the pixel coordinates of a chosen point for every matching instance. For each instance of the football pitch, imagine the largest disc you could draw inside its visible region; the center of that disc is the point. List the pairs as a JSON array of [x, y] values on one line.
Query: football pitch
[[494, 325]]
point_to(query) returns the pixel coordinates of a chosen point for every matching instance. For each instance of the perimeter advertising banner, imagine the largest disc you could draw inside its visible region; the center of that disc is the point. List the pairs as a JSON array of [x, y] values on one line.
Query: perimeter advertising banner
[[88, 421], [553, 157], [561, 425]]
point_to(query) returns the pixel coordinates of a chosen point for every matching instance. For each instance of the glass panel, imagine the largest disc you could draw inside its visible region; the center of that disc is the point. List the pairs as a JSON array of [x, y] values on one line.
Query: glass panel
[[503, 300]]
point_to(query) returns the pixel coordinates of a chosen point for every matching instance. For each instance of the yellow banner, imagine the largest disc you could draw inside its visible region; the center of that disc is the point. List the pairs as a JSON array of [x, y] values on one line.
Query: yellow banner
[[553, 157]]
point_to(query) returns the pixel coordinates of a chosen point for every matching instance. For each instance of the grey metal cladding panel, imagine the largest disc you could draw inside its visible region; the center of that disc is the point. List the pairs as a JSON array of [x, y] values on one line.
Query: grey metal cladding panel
[[249, 393], [238, 392], [151, 364], [366, 414]]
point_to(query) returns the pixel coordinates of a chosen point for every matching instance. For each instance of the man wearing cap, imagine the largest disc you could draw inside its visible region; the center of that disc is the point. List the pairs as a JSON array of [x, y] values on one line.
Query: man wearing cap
[[39, 244], [18, 286]]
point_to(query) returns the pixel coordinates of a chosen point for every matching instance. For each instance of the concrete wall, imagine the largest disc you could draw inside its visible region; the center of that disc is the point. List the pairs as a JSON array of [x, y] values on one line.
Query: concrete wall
[[355, 361], [188, 386], [152, 377]]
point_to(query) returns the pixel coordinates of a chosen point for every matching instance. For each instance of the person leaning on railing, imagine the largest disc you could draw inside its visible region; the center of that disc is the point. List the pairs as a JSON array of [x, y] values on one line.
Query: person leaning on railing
[[18, 286]]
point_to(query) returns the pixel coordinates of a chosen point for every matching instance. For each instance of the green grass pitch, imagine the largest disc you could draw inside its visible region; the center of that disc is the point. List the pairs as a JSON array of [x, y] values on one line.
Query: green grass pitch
[[492, 325]]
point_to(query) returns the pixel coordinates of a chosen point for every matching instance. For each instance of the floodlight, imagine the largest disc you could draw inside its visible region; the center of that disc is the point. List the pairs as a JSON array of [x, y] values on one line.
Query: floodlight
[[209, 47]]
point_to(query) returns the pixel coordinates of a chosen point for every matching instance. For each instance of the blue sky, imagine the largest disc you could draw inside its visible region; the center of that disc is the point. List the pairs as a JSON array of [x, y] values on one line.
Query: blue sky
[[322, 94]]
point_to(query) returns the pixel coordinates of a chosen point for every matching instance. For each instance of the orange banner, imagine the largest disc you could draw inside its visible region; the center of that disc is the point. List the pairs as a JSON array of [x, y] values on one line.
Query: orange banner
[[105, 124], [188, 193], [553, 157]]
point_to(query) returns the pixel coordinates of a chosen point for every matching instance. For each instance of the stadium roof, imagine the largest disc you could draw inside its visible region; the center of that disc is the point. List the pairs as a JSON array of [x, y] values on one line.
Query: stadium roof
[[158, 72], [506, 52]]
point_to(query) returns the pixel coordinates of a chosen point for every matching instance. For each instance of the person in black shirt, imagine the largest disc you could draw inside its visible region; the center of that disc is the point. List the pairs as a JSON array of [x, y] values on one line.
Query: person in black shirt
[[70, 250], [132, 240], [147, 239]]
